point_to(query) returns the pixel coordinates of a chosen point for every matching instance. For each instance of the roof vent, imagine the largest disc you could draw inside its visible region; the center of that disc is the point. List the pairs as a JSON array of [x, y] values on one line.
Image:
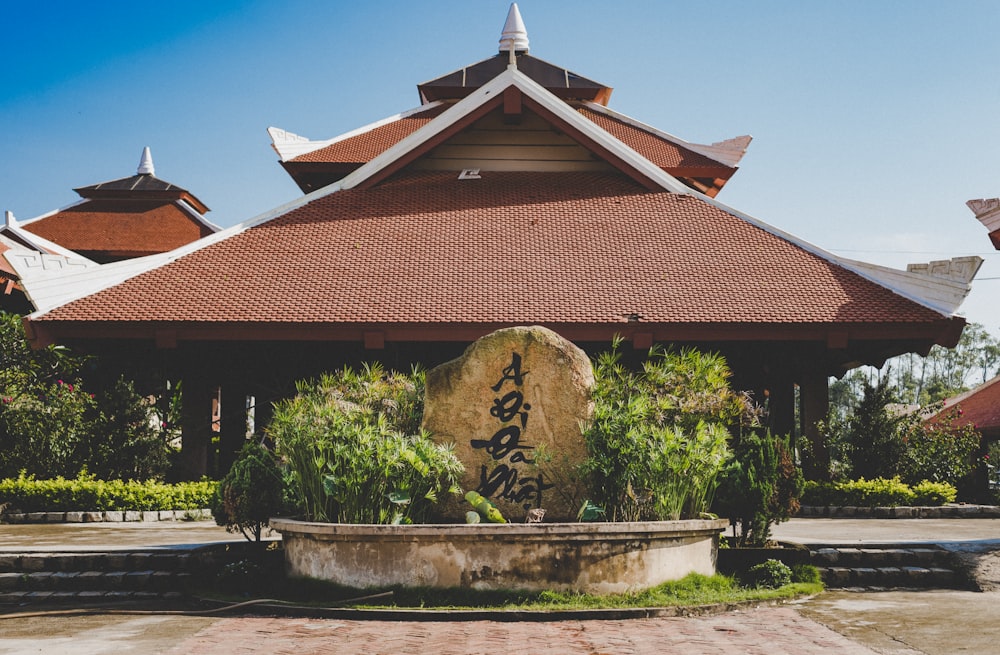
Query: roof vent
[[514, 36], [145, 163], [470, 174]]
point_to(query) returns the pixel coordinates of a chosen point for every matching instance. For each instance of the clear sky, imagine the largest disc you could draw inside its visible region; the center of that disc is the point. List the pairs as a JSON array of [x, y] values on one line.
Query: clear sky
[[874, 121]]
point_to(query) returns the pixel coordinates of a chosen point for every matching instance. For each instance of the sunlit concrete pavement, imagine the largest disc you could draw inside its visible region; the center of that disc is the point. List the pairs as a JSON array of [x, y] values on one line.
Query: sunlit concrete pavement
[[849, 623]]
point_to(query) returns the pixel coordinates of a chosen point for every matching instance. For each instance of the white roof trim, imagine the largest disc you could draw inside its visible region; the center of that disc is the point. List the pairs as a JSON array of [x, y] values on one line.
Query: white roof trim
[[728, 152], [198, 216], [40, 244], [289, 145], [43, 276], [987, 211]]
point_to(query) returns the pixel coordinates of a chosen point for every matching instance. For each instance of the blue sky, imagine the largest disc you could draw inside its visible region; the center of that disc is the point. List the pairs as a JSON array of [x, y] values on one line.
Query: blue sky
[[873, 121]]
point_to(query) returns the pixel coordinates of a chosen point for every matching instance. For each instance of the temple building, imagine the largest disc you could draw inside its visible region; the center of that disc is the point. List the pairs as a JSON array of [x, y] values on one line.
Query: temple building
[[512, 195], [114, 221]]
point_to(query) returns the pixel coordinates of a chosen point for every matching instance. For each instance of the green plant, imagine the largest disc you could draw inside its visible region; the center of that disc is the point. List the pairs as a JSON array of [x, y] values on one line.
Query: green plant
[[934, 493], [346, 440], [771, 574], [251, 493], [876, 436], [53, 423], [760, 486], [806, 574], [940, 450], [880, 492], [84, 493], [657, 438]]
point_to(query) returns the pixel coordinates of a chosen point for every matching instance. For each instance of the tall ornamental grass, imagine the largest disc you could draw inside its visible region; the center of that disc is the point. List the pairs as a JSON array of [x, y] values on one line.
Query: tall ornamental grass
[[355, 450], [658, 436]]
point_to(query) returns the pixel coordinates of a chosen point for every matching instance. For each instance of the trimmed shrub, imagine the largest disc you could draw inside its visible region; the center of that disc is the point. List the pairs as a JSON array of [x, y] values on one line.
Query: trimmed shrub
[[880, 492], [85, 494], [250, 494], [929, 493]]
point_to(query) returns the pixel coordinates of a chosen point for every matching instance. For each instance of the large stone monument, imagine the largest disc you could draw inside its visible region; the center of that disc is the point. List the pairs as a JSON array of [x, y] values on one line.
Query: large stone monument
[[513, 405]]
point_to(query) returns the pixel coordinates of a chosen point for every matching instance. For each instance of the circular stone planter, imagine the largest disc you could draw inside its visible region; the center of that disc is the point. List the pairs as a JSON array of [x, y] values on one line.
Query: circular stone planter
[[596, 558]]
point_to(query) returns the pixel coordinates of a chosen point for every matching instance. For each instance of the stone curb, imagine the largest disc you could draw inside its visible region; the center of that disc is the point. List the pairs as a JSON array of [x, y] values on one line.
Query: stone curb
[[941, 512], [107, 517]]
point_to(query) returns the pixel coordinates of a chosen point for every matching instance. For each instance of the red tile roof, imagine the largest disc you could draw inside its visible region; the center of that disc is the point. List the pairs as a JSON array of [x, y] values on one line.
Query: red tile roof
[[364, 147], [979, 407], [120, 226], [664, 153], [511, 248]]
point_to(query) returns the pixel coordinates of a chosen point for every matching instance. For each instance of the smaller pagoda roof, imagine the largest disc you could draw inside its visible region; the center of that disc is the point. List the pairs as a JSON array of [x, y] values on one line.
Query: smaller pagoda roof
[[124, 218]]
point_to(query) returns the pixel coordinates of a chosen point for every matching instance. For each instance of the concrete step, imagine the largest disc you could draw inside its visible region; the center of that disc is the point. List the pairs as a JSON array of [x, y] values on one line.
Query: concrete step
[[887, 567], [102, 576]]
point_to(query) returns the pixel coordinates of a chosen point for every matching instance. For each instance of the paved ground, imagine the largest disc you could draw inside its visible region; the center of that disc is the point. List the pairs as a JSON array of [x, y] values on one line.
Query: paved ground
[[848, 623]]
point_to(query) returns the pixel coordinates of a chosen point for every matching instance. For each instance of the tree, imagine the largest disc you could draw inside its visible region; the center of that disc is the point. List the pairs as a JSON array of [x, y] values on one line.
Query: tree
[[52, 423], [251, 493]]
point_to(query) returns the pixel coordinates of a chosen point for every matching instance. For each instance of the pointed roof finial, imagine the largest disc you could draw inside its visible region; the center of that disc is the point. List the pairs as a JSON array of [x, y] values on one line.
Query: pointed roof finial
[[145, 163], [514, 36]]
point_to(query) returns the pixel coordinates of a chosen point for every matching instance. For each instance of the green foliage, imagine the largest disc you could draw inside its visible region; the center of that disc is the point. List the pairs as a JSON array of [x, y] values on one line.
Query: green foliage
[[84, 493], [50, 425], [929, 493], [880, 492], [806, 574], [940, 451], [251, 493], [760, 486], [353, 444], [658, 439], [771, 574], [875, 436]]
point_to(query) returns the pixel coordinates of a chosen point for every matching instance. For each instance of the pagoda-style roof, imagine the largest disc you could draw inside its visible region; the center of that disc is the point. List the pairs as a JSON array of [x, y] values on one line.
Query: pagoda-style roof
[[125, 218], [316, 164], [512, 206]]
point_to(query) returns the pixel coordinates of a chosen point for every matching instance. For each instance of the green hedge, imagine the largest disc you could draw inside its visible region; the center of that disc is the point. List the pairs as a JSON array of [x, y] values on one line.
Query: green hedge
[[880, 492], [84, 494]]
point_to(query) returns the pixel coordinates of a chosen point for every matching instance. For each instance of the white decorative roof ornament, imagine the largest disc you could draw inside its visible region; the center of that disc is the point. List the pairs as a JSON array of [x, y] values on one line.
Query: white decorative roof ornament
[[146, 163], [987, 210], [515, 35]]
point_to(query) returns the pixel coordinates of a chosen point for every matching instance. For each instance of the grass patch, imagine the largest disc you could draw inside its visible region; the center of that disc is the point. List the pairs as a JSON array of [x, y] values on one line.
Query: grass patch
[[693, 590]]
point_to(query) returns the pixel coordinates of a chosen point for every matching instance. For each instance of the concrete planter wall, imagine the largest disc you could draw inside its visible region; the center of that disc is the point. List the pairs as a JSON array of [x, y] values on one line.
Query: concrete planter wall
[[597, 558]]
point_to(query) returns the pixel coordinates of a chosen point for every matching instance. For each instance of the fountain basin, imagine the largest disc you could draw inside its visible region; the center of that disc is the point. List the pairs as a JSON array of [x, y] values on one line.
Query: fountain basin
[[595, 558]]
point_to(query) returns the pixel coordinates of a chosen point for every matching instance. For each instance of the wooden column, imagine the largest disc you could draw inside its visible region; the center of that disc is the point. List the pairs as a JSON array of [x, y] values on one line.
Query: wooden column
[[234, 424], [814, 393], [196, 426], [781, 403]]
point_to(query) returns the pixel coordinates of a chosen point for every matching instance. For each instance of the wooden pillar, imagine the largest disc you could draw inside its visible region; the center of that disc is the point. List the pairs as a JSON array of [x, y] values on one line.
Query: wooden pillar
[[781, 403], [196, 426], [814, 399], [234, 424]]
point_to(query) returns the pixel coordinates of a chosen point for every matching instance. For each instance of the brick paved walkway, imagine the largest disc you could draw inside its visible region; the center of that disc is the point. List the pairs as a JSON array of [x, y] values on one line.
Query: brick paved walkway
[[766, 631]]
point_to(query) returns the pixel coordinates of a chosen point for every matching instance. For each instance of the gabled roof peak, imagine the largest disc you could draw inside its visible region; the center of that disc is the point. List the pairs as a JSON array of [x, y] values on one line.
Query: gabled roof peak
[[146, 163], [515, 34]]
